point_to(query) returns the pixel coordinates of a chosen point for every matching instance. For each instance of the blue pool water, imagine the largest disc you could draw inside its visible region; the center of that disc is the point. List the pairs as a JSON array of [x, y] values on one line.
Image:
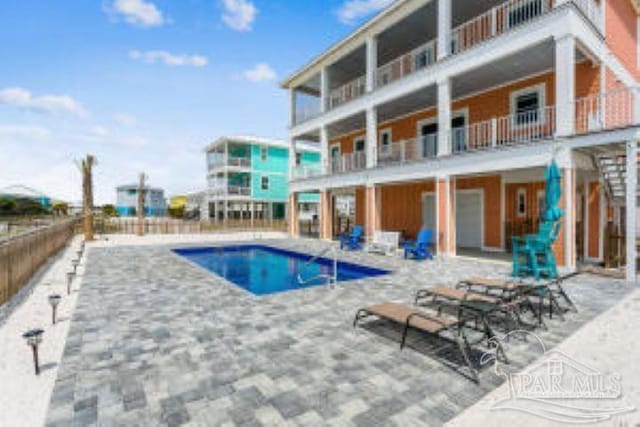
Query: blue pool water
[[264, 270]]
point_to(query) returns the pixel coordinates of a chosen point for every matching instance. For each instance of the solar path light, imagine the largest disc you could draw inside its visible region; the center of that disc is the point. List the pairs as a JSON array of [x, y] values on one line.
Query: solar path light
[[34, 338], [54, 300]]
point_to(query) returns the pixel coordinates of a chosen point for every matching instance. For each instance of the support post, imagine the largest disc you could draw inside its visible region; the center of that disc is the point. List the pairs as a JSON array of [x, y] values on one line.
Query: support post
[[444, 28], [324, 90], [565, 85], [372, 137], [631, 208], [324, 150], [292, 102], [569, 194], [444, 117], [293, 215], [372, 63]]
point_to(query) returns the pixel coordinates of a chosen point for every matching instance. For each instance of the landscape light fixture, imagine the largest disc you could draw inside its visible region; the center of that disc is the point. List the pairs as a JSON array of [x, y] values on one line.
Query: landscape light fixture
[[54, 300], [75, 263], [34, 338], [70, 275]]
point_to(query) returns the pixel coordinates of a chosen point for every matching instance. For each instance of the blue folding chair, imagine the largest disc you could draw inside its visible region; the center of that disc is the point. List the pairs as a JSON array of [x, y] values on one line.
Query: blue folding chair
[[421, 248], [352, 241]]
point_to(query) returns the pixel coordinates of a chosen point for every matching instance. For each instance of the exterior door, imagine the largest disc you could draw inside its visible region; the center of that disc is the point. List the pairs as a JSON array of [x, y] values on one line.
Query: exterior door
[[429, 139], [458, 134], [469, 220]]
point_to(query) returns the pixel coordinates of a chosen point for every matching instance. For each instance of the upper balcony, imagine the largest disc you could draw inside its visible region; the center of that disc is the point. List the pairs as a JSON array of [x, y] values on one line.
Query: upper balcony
[[233, 157], [412, 44]]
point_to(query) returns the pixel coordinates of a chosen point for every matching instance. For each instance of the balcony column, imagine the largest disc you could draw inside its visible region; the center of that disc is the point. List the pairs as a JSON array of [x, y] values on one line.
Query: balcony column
[[372, 209], [569, 219], [292, 158], [324, 89], [325, 215], [635, 94], [631, 209], [444, 117], [293, 215], [445, 217], [372, 63], [372, 137], [565, 85], [292, 103], [324, 150], [444, 28]]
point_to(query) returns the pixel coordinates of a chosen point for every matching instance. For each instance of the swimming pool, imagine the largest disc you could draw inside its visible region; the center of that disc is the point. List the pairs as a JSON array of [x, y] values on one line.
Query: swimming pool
[[264, 270]]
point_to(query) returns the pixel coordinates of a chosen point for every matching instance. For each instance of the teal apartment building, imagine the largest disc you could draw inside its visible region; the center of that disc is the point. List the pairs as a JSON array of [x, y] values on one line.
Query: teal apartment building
[[248, 179]]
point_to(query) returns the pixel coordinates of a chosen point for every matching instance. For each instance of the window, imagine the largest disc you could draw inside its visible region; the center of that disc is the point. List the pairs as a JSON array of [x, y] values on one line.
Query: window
[[264, 183], [521, 203], [298, 159], [264, 154], [385, 141], [526, 105], [358, 145]]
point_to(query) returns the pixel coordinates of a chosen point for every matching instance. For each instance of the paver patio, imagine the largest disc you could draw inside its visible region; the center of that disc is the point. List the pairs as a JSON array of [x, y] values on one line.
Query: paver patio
[[156, 340]]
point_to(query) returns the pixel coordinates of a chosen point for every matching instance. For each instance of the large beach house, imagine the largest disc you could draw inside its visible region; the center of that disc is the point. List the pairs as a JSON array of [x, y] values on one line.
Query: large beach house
[[248, 178], [444, 113]]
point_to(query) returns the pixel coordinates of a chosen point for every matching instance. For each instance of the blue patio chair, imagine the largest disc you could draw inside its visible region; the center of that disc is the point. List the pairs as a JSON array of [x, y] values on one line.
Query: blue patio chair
[[533, 253], [421, 248], [352, 241]]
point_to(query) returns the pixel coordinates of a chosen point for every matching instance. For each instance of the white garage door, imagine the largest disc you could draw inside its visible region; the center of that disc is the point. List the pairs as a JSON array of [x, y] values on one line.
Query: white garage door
[[469, 220]]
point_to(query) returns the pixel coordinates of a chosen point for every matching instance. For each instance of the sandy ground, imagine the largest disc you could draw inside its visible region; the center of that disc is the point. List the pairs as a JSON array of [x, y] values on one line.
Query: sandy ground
[[24, 397], [609, 345]]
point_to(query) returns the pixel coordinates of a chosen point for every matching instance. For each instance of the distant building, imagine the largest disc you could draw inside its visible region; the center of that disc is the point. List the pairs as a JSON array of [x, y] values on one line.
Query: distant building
[[24, 192], [248, 177], [127, 201]]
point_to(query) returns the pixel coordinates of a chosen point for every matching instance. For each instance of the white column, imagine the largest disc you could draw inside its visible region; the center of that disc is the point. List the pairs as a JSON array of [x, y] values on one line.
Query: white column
[[565, 85], [585, 218], [292, 104], [226, 182], [324, 89], [292, 158], [569, 223], [372, 137], [631, 208], [635, 93], [372, 63], [444, 117], [324, 150], [444, 28]]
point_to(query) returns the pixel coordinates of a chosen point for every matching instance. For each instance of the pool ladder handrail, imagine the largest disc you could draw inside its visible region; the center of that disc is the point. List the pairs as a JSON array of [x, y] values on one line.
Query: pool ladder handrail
[[332, 279]]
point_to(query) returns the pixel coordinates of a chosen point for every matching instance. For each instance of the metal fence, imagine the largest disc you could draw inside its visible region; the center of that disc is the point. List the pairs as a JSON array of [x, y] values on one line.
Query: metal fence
[[22, 255]]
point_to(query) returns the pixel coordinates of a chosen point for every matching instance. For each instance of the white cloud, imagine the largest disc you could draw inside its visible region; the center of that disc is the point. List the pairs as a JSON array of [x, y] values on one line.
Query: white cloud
[[124, 119], [22, 98], [262, 72], [153, 56], [239, 14], [352, 10], [137, 12], [14, 133]]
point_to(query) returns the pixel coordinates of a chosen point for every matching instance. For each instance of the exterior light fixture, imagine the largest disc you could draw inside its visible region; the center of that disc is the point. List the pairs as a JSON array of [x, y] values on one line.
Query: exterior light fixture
[[34, 338], [54, 300], [70, 276], [75, 263]]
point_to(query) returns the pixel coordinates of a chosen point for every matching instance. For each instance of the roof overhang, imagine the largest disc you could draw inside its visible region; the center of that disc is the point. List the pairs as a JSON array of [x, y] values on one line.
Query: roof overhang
[[387, 17]]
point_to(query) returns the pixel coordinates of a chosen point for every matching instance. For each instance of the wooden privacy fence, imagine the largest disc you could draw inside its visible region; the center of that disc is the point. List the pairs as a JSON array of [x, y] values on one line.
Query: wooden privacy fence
[[22, 255]]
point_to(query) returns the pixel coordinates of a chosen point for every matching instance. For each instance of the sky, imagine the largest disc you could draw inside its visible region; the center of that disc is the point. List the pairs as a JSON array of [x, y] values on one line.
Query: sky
[[145, 85]]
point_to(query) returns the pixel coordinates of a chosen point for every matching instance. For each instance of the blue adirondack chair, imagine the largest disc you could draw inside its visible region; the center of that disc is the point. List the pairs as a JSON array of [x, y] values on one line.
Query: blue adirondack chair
[[352, 241], [533, 253], [421, 248]]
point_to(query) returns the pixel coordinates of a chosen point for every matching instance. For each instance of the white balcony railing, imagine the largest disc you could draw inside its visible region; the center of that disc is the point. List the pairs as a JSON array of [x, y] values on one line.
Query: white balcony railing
[[306, 112], [239, 161], [348, 91], [409, 150], [306, 171], [348, 162], [610, 110], [496, 21], [531, 126], [236, 190], [407, 64]]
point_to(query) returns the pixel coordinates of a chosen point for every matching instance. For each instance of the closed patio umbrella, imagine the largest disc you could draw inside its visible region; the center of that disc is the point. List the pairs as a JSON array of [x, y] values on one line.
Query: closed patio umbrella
[[553, 192]]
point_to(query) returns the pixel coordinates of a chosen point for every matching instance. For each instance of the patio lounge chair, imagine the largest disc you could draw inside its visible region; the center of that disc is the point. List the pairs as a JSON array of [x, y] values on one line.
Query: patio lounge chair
[[409, 317], [420, 249], [352, 241], [385, 242], [482, 305]]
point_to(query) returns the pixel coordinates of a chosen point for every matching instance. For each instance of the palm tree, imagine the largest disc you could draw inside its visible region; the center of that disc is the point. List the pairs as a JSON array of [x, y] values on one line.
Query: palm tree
[[86, 167]]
